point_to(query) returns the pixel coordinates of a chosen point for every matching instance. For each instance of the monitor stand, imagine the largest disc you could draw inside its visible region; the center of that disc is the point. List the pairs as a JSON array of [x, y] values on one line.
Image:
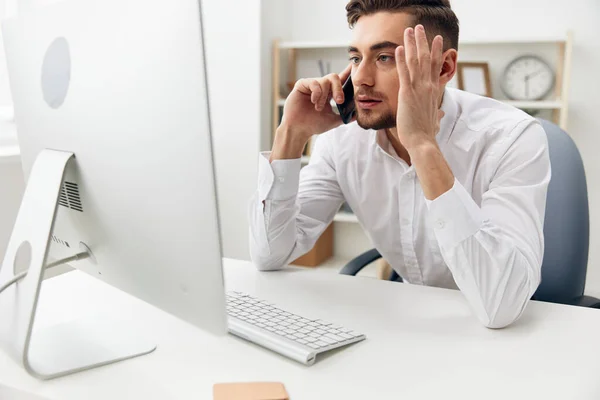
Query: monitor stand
[[64, 348]]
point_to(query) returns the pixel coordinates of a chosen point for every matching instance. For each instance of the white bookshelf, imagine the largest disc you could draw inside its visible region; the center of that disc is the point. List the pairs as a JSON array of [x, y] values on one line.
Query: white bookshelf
[[344, 216]]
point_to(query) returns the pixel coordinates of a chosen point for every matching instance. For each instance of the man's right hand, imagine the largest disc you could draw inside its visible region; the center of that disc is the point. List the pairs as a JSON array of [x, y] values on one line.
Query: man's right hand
[[307, 112]]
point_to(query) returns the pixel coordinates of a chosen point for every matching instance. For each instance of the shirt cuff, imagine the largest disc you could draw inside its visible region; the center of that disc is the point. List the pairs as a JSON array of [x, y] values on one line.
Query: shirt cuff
[[277, 180], [455, 216]]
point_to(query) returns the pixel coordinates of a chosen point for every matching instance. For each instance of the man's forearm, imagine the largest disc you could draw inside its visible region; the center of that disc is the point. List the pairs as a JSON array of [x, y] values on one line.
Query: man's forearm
[[288, 144], [433, 171]]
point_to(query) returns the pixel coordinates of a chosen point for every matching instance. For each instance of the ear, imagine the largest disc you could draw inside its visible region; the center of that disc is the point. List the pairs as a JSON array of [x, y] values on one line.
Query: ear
[[449, 66]]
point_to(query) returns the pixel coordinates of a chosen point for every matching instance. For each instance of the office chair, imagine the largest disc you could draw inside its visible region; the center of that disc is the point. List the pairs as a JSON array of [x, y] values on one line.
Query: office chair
[[566, 228]]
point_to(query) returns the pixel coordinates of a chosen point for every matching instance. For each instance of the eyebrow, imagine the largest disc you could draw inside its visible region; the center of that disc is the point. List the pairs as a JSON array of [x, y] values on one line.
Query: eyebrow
[[377, 46]]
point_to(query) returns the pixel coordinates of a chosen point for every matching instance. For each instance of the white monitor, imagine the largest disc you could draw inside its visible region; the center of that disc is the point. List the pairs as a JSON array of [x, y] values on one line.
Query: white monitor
[[112, 117]]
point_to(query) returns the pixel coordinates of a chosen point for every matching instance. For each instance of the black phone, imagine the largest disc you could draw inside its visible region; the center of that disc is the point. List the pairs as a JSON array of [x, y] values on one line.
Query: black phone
[[347, 109]]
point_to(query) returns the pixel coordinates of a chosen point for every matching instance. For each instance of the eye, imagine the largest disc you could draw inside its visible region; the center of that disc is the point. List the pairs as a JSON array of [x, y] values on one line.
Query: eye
[[384, 58], [354, 60]]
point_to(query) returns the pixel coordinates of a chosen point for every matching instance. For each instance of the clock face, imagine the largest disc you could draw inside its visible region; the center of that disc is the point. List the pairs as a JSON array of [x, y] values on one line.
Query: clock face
[[527, 78]]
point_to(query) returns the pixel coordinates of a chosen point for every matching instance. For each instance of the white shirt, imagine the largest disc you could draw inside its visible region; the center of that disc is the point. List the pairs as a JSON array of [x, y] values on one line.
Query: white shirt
[[484, 236]]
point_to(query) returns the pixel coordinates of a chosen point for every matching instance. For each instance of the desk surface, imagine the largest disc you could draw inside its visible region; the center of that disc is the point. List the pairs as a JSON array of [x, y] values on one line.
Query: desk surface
[[422, 343]]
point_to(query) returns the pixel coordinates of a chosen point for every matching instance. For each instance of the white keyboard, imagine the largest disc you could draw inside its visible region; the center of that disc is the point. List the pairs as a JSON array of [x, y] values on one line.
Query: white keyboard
[[288, 334]]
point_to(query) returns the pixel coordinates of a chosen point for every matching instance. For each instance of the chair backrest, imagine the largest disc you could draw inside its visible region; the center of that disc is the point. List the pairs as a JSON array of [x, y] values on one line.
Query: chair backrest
[[566, 226]]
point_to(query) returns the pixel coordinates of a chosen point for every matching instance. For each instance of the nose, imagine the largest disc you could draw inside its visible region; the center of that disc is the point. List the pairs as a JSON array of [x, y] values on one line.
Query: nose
[[363, 75]]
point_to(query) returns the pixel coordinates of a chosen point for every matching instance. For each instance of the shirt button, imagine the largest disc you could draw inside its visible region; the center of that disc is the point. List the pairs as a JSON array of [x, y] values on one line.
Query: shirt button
[[281, 179], [440, 223]]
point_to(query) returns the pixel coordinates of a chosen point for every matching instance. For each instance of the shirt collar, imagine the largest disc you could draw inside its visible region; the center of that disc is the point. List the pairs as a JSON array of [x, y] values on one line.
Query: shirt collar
[[450, 109]]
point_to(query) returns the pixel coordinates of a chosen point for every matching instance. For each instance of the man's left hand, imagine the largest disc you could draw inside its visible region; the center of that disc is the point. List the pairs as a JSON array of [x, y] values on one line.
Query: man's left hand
[[418, 115]]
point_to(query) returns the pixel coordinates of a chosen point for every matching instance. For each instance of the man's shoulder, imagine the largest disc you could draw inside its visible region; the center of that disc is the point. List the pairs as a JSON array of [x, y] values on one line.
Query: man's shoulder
[[489, 120], [479, 113]]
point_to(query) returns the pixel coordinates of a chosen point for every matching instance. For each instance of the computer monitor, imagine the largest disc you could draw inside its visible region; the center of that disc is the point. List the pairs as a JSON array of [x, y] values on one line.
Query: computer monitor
[[112, 117]]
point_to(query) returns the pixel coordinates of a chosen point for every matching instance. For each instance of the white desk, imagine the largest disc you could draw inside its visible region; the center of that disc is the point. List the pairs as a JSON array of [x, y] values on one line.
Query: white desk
[[422, 343]]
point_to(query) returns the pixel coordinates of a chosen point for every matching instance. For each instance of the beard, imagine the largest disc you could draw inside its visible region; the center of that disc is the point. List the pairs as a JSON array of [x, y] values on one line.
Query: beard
[[367, 119]]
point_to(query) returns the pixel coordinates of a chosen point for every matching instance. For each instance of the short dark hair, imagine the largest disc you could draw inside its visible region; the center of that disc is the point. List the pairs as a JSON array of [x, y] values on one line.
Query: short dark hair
[[435, 15]]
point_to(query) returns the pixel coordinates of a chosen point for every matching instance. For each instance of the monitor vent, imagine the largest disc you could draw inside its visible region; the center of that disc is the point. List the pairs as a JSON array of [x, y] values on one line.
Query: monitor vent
[[59, 241], [69, 196]]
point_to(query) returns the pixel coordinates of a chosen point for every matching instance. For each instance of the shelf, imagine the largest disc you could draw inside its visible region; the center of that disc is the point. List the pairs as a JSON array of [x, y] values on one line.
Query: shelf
[[525, 40], [343, 216], [467, 42], [535, 105], [9, 154]]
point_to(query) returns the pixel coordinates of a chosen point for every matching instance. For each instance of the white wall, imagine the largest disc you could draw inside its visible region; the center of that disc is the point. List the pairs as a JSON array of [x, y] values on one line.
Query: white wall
[[317, 20], [232, 37], [276, 23], [11, 189]]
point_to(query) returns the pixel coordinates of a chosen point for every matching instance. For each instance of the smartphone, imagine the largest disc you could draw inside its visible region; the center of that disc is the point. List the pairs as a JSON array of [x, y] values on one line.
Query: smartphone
[[347, 109]]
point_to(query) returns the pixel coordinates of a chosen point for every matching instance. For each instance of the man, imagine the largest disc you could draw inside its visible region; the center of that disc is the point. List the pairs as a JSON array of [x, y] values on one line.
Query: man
[[450, 186]]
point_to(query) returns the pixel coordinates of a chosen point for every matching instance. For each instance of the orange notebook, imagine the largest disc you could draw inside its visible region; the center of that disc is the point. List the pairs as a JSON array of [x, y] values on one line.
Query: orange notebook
[[250, 391]]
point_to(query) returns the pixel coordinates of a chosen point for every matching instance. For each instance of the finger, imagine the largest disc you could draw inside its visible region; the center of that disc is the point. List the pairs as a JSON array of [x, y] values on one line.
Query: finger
[[423, 52], [336, 88], [441, 115], [315, 91], [402, 68], [437, 51], [325, 91], [345, 74], [410, 48], [303, 86]]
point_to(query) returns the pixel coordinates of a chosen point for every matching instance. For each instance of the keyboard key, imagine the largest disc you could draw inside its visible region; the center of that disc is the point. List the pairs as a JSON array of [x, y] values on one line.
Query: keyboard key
[[346, 336], [321, 343], [280, 333], [328, 340], [335, 327], [284, 323], [304, 321], [320, 331], [295, 317], [260, 325], [290, 331], [314, 345], [334, 331], [302, 341], [295, 327], [313, 324], [334, 337], [344, 330], [305, 331], [299, 335], [270, 329], [294, 338], [323, 323], [314, 334]]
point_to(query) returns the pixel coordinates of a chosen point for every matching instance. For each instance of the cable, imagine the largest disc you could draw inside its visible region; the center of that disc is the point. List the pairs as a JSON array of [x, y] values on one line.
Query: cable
[[18, 277]]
